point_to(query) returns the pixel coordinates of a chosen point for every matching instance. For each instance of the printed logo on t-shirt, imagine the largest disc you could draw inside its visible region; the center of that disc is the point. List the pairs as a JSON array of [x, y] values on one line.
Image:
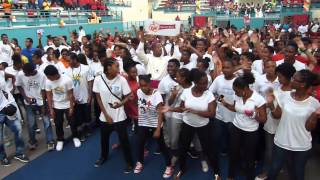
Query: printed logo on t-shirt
[[32, 84], [144, 105], [76, 79], [116, 89], [59, 90], [5, 50]]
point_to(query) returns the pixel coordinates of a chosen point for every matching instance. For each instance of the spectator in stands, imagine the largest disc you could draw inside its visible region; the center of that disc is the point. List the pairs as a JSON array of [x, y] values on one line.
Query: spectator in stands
[[46, 7], [31, 4], [16, 4], [7, 9]]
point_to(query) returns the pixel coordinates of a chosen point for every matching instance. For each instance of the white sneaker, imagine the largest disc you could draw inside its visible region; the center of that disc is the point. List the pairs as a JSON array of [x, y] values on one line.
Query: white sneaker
[[77, 142], [168, 172], [204, 165], [59, 145], [138, 168], [260, 178]]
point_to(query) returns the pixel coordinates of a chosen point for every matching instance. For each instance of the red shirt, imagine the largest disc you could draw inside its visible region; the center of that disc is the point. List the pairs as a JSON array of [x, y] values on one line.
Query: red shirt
[[277, 57], [131, 107], [280, 56]]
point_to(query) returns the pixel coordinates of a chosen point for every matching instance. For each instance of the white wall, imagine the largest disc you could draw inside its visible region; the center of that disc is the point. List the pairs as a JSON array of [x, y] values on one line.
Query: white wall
[[137, 12], [160, 15], [315, 13]]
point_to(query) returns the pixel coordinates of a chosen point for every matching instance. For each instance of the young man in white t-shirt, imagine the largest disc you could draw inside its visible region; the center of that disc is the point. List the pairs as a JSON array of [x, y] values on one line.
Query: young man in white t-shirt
[[290, 53], [59, 91], [6, 51], [82, 91], [13, 123], [10, 83], [166, 85], [31, 85]]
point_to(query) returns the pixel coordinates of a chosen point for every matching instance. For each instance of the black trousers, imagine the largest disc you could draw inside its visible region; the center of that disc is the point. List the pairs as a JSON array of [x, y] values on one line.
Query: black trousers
[[82, 116], [58, 120], [97, 110], [147, 132], [243, 147], [121, 129], [186, 135]]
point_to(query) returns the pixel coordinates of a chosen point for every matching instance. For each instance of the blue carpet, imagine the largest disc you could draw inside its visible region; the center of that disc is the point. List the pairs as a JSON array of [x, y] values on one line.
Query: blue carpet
[[77, 164]]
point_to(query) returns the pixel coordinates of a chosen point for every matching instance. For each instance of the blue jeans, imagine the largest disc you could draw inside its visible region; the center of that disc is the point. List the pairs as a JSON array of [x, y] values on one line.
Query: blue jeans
[[31, 117], [296, 161], [15, 127]]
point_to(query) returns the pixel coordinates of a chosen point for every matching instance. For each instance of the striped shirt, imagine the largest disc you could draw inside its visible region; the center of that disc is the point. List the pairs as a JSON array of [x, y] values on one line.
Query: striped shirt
[[147, 107]]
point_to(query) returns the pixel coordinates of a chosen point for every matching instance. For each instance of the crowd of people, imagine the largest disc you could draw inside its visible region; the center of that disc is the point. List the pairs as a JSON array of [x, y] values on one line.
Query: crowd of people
[[54, 4], [250, 95]]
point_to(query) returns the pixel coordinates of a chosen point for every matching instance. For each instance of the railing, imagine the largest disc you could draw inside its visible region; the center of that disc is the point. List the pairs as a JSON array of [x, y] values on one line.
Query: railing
[[118, 3], [55, 17]]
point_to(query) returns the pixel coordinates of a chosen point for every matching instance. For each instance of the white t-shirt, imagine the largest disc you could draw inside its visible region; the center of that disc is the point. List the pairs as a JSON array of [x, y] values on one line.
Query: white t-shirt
[[32, 86], [12, 71], [120, 62], [43, 66], [241, 120], [166, 85], [95, 68], [3, 100], [80, 77], [62, 69], [221, 86], [120, 87], [262, 85], [6, 53], [156, 66], [194, 59], [315, 28], [60, 48], [196, 103], [303, 29], [189, 66], [297, 65], [59, 89], [81, 34], [257, 65], [147, 108], [292, 133]]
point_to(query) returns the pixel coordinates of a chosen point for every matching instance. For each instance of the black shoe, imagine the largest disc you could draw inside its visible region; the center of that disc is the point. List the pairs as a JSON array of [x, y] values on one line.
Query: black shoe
[[193, 154], [22, 158], [100, 162], [128, 169], [5, 162], [82, 138]]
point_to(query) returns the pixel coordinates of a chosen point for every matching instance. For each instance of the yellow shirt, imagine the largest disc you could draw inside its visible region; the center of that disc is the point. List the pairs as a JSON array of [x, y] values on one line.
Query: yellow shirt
[[24, 59], [46, 6]]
